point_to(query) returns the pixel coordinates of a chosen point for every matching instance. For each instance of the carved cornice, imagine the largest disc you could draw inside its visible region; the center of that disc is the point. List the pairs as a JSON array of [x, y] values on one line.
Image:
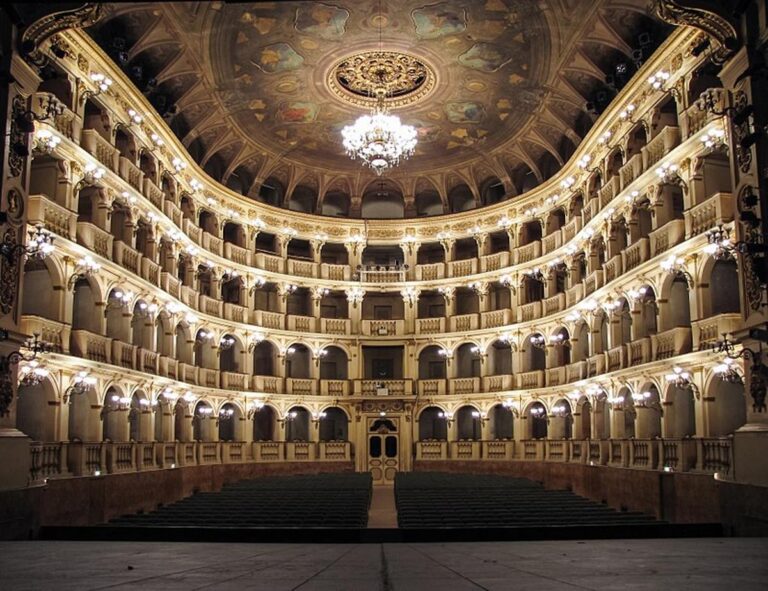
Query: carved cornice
[[706, 17], [47, 26]]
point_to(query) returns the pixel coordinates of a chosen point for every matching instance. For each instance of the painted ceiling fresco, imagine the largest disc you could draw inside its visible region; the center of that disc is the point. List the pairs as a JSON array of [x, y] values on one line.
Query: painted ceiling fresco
[[508, 79]]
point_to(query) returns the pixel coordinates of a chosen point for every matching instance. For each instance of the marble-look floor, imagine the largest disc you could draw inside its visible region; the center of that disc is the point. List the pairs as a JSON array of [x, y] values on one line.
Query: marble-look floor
[[669, 564]]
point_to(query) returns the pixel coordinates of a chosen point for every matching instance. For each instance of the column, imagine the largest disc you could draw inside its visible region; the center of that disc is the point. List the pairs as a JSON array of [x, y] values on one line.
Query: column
[[411, 306]]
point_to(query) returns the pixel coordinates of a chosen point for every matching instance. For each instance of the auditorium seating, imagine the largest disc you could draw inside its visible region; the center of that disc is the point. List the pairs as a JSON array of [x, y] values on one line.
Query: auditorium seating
[[310, 501], [435, 499]]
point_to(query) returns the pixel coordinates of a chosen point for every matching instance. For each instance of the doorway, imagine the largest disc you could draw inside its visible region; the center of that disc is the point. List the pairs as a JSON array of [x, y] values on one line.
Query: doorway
[[383, 450]]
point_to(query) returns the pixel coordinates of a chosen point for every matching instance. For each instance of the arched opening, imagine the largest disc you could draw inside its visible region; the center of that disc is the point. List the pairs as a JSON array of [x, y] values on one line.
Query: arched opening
[[428, 203], [139, 417], [114, 416], [433, 424], [678, 304], [232, 290], [142, 326], [602, 417], [229, 422], [647, 404], [532, 288], [264, 420], [209, 223], [182, 421], [334, 254], [727, 407], [204, 350], [230, 353], [125, 144], [561, 420], [39, 298], [432, 363], [561, 348], [724, 288], [529, 232], [333, 364], [297, 361], [500, 358], [183, 344], [502, 421], [334, 425], [264, 359], [202, 422], [297, 424], [555, 220], [467, 359], [271, 192], [492, 191], [580, 346], [461, 198], [468, 424], [534, 353], [536, 421], [303, 199], [582, 425], [234, 234], [83, 306], [118, 322], [647, 318], [336, 203], [679, 412], [36, 410], [383, 200]]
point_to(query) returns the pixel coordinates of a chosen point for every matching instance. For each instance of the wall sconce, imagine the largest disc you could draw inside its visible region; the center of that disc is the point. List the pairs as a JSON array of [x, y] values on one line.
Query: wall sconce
[[32, 373], [354, 242], [658, 80], [447, 416], [318, 416], [714, 139], [409, 244], [39, 245], [197, 186], [604, 137], [559, 410], [204, 335], [226, 342], [178, 164], [669, 173], [676, 266], [728, 371], [254, 339], [642, 399], [167, 395], [81, 384], [225, 414], [482, 416], [157, 140], [204, 412], [102, 84], [537, 412], [534, 274], [355, 295], [479, 287], [135, 117], [119, 403], [627, 113], [258, 282], [289, 416], [510, 404], [538, 341], [444, 352], [616, 402], [682, 379], [288, 289], [568, 183], [253, 408], [505, 222], [46, 141], [86, 267], [575, 395]]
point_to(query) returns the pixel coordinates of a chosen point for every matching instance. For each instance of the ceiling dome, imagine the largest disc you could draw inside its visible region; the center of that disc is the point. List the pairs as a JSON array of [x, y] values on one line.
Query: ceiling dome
[[497, 89]]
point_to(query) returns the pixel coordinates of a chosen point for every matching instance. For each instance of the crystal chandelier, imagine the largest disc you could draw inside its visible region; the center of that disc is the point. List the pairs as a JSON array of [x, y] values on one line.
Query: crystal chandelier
[[379, 139]]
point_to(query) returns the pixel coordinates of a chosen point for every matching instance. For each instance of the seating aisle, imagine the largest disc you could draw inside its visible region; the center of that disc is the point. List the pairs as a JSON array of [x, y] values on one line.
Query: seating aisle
[[335, 501], [440, 500]]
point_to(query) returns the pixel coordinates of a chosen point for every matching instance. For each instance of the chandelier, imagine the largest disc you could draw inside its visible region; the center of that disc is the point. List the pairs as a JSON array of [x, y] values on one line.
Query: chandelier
[[379, 140]]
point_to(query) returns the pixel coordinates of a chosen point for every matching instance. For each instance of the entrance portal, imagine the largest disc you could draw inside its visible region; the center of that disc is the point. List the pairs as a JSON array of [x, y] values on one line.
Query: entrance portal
[[383, 450]]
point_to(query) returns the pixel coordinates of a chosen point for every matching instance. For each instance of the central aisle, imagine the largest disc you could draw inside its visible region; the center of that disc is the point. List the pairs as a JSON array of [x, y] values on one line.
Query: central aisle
[[383, 511]]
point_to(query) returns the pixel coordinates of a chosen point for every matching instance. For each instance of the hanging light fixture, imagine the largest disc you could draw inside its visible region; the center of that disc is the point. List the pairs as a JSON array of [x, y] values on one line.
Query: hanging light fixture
[[379, 140]]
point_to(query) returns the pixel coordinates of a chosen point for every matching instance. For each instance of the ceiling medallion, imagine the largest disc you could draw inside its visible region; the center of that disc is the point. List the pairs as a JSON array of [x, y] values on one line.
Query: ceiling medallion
[[406, 78]]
